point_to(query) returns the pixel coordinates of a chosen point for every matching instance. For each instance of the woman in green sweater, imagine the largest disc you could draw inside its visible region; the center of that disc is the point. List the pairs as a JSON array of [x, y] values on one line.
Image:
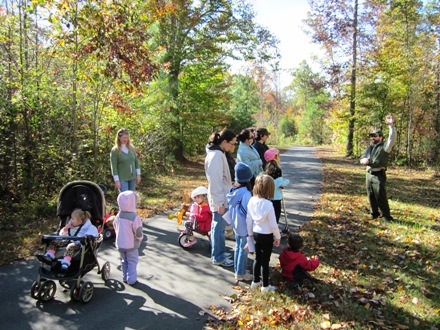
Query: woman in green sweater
[[124, 163]]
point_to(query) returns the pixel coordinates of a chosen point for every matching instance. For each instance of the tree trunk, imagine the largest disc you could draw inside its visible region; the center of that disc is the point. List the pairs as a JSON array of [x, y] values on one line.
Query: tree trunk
[[351, 121], [436, 149], [177, 129], [26, 111]]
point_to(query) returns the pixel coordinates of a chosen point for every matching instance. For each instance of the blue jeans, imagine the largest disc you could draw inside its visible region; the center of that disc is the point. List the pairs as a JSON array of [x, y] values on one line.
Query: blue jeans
[[128, 185], [240, 255], [218, 239]]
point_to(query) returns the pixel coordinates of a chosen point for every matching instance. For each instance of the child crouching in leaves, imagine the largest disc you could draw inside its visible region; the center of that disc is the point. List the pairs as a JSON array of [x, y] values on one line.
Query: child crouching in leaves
[[294, 264]]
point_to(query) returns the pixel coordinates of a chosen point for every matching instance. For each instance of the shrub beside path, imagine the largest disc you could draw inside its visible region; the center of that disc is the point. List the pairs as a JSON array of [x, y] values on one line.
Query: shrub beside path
[[176, 288]]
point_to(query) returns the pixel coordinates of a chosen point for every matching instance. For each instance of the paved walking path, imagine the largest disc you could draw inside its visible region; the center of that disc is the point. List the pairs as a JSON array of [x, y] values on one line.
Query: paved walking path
[[176, 287]]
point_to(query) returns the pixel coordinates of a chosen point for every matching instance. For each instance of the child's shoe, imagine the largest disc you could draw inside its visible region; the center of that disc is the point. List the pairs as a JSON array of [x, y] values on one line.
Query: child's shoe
[[295, 287], [244, 277], [311, 278], [47, 258], [65, 264], [268, 288], [190, 243], [225, 263], [255, 285]]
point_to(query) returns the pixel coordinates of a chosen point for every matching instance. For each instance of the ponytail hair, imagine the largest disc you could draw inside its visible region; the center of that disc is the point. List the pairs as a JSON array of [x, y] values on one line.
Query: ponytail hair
[[217, 138], [245, 135]]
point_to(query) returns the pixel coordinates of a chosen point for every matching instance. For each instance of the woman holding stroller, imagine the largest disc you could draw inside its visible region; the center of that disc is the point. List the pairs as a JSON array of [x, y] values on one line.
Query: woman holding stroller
[[124, 163]]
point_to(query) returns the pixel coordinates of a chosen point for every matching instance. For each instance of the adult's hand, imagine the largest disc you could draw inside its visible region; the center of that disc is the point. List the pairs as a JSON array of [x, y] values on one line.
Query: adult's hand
[[118, 184], [221, 210], [276, 242], [138, 178]]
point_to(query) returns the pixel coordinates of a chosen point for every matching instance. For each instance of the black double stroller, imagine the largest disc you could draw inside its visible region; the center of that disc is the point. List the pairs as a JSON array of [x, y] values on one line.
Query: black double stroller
[[87, 196]]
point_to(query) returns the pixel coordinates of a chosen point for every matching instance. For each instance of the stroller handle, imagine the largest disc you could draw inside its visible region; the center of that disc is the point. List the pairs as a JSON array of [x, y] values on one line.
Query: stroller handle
[[81, 239]]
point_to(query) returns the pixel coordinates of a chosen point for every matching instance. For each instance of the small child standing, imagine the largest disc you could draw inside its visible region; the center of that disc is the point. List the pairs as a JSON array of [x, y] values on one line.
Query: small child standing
[[294, 264], [199, 215], [263, 227], [128, 229], [272, 157], [79, 225], [238, 199]]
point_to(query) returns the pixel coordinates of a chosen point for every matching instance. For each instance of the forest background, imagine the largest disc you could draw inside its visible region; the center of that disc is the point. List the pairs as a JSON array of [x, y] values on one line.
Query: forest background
[[74, 72]]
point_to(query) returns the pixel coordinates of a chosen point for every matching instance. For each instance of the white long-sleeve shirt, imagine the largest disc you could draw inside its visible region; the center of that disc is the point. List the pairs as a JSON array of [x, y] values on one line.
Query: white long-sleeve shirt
[[219, 178], [261, 217]]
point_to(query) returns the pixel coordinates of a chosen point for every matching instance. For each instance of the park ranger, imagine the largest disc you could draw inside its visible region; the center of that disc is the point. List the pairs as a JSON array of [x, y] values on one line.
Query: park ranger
[[376, 159]]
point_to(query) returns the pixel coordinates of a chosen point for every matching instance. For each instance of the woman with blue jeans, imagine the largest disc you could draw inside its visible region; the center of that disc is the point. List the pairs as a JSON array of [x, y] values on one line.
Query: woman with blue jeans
[[124, 163], [219, 183], [238, 199]]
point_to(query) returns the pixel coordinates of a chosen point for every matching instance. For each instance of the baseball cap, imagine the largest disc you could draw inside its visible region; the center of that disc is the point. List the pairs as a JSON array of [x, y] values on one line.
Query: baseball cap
[[376, 132]]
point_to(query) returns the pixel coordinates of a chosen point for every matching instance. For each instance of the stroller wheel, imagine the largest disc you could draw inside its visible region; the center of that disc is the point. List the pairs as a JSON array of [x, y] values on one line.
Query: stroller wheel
[[86, 292], [107, 233], [34, 290], [105, 271], [74, 291], [47, 291]]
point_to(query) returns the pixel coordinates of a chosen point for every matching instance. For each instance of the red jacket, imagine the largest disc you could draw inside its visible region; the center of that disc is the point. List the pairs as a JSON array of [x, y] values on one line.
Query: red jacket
[[289, 260], [204, 218]]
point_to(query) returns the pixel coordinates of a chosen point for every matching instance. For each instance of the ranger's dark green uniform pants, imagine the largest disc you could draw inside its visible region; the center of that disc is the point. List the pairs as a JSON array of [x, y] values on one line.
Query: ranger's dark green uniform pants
[[377, 195]]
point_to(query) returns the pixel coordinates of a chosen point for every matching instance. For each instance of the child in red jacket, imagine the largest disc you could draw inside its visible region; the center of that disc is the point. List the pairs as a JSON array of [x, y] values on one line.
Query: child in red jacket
[[199, 215], [294, 264]]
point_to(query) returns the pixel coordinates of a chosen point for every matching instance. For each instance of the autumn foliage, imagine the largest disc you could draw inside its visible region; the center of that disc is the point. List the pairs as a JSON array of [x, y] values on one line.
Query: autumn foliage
[[373, 275]]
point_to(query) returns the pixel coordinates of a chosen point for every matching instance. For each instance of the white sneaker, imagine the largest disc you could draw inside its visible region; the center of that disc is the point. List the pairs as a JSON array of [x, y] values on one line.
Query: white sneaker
[[268, 288], [225, 263], [255, 285], [228, 255], [244, 277]]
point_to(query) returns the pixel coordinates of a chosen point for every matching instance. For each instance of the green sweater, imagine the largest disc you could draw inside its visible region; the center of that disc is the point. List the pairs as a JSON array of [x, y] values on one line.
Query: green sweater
[[124, 165]]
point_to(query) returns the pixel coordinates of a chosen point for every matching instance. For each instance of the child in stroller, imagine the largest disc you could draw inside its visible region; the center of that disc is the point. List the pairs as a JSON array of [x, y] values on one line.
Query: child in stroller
[[79, 225], [78, 201]]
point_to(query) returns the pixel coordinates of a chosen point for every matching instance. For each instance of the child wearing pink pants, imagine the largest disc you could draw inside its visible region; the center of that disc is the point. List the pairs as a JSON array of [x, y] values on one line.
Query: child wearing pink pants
[[128, 229]]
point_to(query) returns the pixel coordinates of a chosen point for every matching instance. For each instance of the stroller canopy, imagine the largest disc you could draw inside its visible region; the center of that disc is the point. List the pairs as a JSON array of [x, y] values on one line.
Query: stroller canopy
[[85, 195]]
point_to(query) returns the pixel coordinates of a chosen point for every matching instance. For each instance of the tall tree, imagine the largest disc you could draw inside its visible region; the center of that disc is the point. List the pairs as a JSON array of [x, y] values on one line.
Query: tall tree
[[245, 102], [334, 24], [311, 102], [205, 31]]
